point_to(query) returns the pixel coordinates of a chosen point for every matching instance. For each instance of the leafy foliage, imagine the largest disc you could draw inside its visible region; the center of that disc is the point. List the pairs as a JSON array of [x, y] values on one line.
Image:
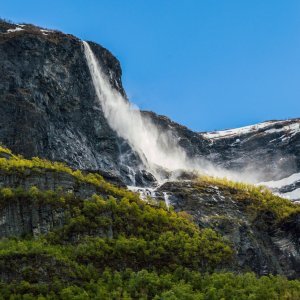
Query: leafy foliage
[[122, 233], [182, 284]]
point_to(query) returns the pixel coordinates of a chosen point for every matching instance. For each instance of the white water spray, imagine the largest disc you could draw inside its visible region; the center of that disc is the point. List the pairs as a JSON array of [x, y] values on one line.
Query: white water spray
[[167, 201], [156, 149]]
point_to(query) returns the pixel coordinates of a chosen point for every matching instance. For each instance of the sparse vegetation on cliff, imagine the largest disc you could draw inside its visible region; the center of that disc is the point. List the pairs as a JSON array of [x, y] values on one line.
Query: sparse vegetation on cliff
[[18, 164], [256, 198]]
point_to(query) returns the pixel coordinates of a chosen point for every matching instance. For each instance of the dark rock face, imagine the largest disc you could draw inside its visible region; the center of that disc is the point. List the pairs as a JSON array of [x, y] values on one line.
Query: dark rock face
[[19, 218], [267, 151], [192, 142], [48, 105], [270, 149], [261, 244], [46, 180]]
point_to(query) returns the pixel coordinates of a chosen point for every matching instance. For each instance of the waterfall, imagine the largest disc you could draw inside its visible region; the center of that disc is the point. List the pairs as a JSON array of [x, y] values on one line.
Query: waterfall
[[156, 149], [144, 192], [167, 201]]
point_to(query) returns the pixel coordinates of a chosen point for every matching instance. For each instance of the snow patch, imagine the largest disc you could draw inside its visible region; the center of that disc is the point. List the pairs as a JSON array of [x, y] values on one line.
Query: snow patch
[[45, 32], [291, 129], [282, 182], [14, 30], [293, 195], [239, 131]]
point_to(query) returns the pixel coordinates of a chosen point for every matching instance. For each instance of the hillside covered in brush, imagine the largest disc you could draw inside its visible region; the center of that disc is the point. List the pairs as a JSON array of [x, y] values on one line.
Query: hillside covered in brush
[[71, 235]]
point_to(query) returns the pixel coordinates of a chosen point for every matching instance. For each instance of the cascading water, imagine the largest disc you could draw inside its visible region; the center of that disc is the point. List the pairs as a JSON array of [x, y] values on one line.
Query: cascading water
[[167, 201], [156, 149]]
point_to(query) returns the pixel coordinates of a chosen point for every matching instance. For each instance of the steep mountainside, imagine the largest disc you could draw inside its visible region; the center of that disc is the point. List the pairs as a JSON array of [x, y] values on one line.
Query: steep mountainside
[[48, 105], [49, 108], [272, 148], [268, 151], [275, 143]]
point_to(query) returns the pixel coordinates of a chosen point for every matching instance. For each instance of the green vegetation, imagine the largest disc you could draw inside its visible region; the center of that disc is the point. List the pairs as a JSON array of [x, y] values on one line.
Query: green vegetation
[[257, 199], [113, 245], [5, 150], [128, 236], [183, 284], [120, 234]]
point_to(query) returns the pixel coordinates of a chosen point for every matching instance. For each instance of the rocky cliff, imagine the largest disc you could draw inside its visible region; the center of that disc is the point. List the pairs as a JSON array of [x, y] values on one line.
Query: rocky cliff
[[265, 239], [270, 149], [48, 105]]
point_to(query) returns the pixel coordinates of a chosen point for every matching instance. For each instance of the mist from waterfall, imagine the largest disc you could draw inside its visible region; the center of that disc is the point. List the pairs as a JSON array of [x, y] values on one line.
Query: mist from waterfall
[[157, 149], [154, 147]]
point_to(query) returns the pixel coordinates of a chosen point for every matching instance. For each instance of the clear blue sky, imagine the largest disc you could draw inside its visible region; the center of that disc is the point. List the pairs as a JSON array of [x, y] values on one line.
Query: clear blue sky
[[207, 64]]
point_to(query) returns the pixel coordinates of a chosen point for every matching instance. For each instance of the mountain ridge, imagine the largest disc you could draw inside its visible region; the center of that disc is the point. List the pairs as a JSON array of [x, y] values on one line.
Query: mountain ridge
[[78, 133]]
